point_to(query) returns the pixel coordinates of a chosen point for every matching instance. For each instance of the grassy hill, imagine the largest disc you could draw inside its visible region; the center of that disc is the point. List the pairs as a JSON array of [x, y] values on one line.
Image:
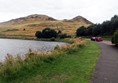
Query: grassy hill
[[27, 26]]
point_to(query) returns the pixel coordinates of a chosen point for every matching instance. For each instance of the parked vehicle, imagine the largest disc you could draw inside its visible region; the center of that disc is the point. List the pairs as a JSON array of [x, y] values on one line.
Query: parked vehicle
[[98, 39], [92, 38]]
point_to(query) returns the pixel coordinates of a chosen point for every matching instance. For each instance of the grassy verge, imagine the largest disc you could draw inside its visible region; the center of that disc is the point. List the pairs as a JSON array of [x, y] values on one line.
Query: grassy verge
[[109, 38], [22, 37], [71, 65]]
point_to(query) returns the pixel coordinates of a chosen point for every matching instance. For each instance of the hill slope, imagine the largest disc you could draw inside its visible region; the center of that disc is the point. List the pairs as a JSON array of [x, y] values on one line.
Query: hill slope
[[27, 26], [34, 17], [81, 19]]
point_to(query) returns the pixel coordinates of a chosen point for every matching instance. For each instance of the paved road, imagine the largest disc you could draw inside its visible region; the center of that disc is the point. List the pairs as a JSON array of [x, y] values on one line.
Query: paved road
[[107, 67]]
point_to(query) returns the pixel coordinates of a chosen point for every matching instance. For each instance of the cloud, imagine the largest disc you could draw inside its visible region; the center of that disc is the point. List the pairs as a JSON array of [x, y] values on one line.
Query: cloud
[[93, 10]]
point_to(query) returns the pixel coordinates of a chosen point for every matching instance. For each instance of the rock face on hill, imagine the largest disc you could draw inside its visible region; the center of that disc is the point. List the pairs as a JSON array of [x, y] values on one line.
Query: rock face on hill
[[81, 19]]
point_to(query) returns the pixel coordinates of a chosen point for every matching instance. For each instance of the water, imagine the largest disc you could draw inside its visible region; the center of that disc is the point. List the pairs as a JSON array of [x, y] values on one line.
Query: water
[[21, 47]]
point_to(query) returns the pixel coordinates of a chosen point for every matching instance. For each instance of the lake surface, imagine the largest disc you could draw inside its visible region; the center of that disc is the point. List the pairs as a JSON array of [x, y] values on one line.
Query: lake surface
[[21, 47]]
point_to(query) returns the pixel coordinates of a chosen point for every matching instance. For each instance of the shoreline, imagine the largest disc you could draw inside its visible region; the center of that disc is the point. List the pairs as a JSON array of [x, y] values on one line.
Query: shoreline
[[66, 40]]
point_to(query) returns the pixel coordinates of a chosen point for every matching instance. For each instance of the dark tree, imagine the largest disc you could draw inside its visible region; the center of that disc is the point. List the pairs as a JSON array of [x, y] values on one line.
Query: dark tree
[[115, 38], [114, 17], [96, 30], [89, 30], [81, 31], [49, 33], [38, 34], [107, 28]]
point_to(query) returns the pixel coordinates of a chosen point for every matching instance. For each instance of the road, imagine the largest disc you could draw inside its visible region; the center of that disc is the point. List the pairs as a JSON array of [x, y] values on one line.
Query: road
[[107, 67]]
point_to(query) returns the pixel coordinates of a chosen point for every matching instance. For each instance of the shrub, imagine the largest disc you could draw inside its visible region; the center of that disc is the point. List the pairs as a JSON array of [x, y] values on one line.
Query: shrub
[[81, 31], [46, 33], [49, 33], [115, 38], [38, 34]]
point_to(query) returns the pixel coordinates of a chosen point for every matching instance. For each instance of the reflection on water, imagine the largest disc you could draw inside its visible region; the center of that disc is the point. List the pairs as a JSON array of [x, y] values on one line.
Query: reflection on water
[[21, 47]]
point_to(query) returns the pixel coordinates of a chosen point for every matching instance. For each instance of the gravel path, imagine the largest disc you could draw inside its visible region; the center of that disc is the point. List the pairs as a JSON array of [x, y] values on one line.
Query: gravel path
[[107, 67]]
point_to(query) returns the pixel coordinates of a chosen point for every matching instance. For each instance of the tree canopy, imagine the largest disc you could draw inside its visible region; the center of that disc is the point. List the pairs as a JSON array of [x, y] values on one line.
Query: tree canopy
[[46, 33], [107, 28], [115, 38]]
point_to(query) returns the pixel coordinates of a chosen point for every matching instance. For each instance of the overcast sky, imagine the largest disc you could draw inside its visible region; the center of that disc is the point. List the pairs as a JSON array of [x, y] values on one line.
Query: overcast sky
[[96, 11]]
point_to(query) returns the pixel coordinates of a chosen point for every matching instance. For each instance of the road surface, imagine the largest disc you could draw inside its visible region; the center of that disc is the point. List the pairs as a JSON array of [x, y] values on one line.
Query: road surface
[[107, 67]]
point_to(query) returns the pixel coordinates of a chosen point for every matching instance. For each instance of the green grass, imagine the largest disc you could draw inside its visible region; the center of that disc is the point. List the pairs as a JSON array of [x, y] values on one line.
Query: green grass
[[74, 66], [109, 38], [66, 40]]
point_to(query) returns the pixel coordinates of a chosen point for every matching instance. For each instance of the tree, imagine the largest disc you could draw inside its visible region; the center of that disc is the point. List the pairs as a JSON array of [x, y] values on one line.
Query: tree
[[49, 33], [38, 34], [89, 30], [114, 17], [96, 30], [81, 31], [114, 22], [115, 38], [107, 28]]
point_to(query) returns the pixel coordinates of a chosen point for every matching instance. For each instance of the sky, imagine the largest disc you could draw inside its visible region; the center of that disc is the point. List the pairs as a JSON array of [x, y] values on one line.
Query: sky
[[96, 11]]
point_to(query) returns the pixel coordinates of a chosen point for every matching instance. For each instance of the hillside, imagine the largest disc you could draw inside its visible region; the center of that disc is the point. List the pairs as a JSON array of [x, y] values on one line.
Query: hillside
[[27, 26], [81, 19]]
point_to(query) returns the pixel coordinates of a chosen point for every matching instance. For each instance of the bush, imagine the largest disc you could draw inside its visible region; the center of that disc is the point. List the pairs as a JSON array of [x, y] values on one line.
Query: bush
[[38, 34], [81, 31], [46, 33], [49, 33], [115, 38]]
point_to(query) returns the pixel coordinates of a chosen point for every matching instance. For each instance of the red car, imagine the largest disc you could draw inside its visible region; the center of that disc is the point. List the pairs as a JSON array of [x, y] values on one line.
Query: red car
[[98, 39]]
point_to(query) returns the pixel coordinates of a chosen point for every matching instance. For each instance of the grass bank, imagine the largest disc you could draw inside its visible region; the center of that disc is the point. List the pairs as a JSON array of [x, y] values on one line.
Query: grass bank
[[74, 64], [22, 37], [109, 38]]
